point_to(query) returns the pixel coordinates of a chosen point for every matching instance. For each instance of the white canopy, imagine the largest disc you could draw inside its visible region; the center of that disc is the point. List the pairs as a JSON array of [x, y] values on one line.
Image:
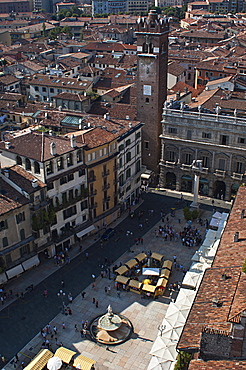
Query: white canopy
[[151, 271], [217, 215], [214, 222], [177, 313], [167, 352], [33, 261], [54, 363], [199, 266], [17, 270], [3, 278], [192, 279], [211, 235], [173, 333], [157, 363], [186, 297]]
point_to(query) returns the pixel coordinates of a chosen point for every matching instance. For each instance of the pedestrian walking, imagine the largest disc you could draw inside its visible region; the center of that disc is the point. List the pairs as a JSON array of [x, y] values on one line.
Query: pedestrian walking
[[118, 293], [16, 357], [63, 325], [93, 300], [45, 293], [106, 290], [75, 327], [86, 255], [109, 288], [55, 330], [62, 283], [93, 277], [83, 295], [70, 298], [47, 343], [22, 364], [96, 304]]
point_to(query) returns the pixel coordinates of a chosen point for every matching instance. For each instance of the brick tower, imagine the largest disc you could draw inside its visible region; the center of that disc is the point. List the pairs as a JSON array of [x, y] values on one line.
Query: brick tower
[[152, 51]]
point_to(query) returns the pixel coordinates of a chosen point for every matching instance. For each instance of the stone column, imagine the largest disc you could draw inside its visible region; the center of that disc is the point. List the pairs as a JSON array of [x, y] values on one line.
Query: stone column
[[194, 204]]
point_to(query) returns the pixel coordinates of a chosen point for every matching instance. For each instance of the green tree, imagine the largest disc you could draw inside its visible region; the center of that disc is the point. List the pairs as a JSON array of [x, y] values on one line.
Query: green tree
[[157, 8], [67, 30], [55, 32]]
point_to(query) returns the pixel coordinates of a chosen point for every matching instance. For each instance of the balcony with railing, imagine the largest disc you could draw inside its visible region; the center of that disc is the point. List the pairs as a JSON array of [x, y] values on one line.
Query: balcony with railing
[[92, 193], [107, 199], [94, 205], [220, 173], [185, 167], [105, 187], [169, 164], [105, 173], [92, 178], [204, 171], [237, 176]]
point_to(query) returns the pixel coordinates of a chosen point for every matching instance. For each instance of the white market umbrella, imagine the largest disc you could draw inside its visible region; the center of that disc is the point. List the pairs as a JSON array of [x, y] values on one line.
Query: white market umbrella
[[192, 279], [158, 344], [157, 363], [186, 297], [54, 363], [217, 215], [167, 353], [173, 333], [178, 314]]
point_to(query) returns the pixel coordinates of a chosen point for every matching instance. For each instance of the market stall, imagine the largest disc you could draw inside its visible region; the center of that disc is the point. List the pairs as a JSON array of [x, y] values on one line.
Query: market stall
[[83, 363], [121, 270], [40, 360], [64, 354], [165, 273], [157, 257], [122, 280], [135, 286], [149, 289], [131, 263], [161, 286], [167, 264], [142, 257]]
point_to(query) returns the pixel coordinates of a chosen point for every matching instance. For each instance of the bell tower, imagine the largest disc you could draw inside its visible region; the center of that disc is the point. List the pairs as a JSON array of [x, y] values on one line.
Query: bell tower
[[152, 56]]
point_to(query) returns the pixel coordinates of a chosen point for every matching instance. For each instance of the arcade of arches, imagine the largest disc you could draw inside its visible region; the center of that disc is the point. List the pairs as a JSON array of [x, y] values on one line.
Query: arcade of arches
[[216, 189]]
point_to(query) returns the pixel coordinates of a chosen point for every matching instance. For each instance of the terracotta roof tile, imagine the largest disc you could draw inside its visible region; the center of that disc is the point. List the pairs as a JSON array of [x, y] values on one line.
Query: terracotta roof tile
[[10, 198]]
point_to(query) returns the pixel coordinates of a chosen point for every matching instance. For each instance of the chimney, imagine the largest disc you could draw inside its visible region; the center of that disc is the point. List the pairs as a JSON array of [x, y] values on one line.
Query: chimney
[[178, 95], [242, 213], [130, 125], [6, 173], [236, 236], [7, 144], [34, 183], [73, 141], [53, 148], [107, 116], [186, 90]]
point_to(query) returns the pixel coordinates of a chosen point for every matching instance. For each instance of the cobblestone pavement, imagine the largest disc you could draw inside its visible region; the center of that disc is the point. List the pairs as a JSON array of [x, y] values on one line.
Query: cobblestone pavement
[[23, 318]]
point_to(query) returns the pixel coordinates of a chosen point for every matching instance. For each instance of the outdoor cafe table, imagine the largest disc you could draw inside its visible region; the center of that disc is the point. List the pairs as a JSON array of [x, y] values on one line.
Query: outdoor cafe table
[[121, 270], [167, 264], [132, 263]]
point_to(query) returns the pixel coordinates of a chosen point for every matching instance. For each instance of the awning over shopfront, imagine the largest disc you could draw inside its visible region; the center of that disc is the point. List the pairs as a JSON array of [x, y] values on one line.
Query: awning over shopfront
[[64, 354], [17, 270], [149, 288], [140, 257], [85, 231], [167, 264], [40, 360], [3, 278], [28, 264], [165, 273], [83, 363]]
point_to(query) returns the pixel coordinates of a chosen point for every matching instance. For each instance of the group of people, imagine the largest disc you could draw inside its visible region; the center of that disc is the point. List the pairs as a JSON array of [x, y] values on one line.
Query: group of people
[[61, 258], [49, 334]]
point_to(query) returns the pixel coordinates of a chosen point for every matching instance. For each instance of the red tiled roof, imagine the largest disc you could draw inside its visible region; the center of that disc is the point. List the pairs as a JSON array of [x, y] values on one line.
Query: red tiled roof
[[10, 198], [217, 365]]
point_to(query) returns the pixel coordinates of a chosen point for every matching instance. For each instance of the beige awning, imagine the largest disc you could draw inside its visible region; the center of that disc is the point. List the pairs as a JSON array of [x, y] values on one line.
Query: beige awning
[[162, 282], [167, 264], [122, 279], [121, 270], [149, 288], [165, 273], [132, 263], [83, 363], [64, 354], [40, 360], [157, 256], [140, 257], [134, 284]]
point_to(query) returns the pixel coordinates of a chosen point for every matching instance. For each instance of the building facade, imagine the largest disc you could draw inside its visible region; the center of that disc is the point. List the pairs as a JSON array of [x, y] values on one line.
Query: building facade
[[219, 141], [152, 50]]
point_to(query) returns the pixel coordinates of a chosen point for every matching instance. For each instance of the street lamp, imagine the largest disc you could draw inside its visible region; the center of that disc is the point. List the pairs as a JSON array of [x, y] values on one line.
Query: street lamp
[[62, 295], [161, 329]]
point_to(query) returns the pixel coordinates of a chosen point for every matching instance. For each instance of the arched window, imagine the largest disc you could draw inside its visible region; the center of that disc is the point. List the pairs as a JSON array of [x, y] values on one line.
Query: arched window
[[145, 48], [79, 155], [22, 234], [18, 160], [28, 164], [36, 167]]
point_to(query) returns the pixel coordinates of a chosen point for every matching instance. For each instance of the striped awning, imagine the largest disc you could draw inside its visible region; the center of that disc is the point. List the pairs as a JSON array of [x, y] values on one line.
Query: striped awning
[[65, 354], [157, 256], [40, 360], [121, 270], [167, 264], [83, 363]]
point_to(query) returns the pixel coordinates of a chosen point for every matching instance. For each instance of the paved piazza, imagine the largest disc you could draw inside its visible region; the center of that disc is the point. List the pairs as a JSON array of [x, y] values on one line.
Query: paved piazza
[[145, 314]]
